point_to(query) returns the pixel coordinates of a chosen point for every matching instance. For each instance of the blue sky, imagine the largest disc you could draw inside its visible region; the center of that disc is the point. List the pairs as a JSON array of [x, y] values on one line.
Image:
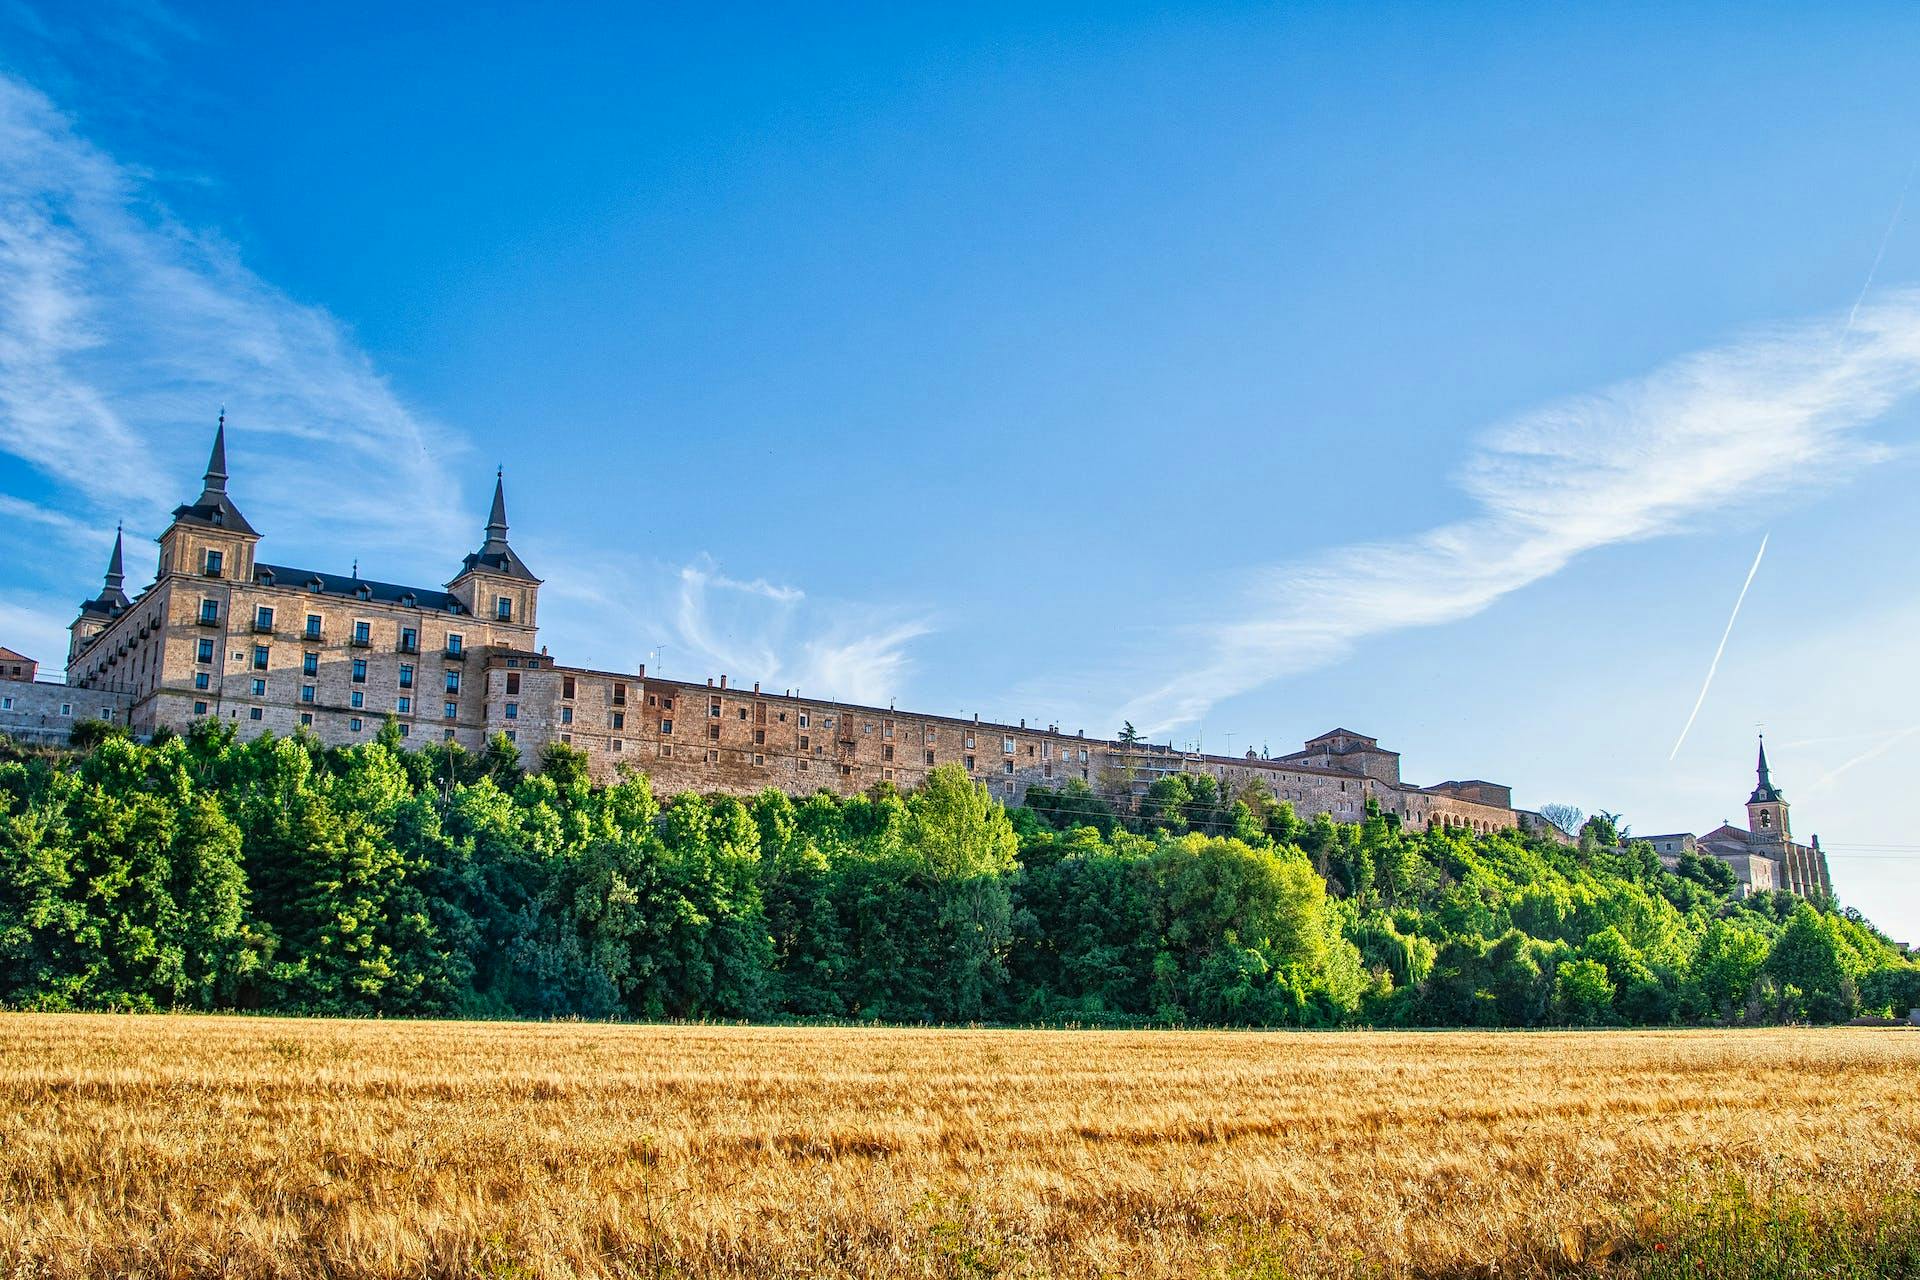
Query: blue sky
[[1239, 371]]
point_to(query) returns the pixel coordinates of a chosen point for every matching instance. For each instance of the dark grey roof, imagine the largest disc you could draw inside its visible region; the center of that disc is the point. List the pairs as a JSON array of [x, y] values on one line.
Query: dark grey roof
[[213, 508], [112, 599], [494, 555], [1764, 792], [350, 588]]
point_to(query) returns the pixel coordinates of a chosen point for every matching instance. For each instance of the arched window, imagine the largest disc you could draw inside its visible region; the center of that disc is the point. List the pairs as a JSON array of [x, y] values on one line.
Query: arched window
[[1766, 818]]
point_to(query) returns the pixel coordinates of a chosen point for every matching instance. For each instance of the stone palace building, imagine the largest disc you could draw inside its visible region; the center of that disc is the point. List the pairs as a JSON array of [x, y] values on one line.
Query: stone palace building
[[222, 635]]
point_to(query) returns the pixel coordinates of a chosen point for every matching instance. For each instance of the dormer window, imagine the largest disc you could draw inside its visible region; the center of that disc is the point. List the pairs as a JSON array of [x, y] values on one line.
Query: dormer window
[[213, 562]]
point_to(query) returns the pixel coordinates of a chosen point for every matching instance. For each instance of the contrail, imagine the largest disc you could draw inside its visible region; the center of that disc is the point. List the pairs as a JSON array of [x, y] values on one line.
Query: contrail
[[1715, 664], [1879, 253]]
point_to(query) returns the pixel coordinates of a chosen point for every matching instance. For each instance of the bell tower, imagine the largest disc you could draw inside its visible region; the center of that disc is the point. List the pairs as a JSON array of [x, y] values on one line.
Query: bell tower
[[1767, 811]]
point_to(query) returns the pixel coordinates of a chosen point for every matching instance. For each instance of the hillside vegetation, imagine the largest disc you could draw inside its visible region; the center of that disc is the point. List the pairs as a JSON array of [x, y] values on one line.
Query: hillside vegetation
[[209, 873]]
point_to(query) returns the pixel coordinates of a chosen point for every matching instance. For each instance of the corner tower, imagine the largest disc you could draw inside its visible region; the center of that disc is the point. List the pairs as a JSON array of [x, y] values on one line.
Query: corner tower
[[97, 614], [209, 537], [1767, 812], [494, 583]]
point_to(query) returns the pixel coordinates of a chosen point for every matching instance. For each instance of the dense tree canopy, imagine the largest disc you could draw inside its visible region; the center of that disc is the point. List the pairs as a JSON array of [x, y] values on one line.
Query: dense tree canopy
[[204, 872]]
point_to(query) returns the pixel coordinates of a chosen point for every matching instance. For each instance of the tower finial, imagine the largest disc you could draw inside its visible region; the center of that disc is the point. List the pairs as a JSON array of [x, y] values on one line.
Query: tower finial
[[217, 460], [116, 578], [497, 517]]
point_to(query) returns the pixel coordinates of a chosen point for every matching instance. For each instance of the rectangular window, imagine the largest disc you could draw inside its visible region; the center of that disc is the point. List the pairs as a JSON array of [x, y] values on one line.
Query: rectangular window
[[259, 688], [306, 693], [713, 707], [619, 720], [199, 708], [513, 682], [1006, 746], [1007, 768], [666, 704], [743, 713], [306, 718], [666, 750], [259, 657], [205, 651], [213, 562], [503, 608], [406, 675], [309, 663], [363, 633], [803, 741], [404, 706], [358, 698], [513, 711], [453, 682], [803, 719], [1083, 755], [66, 708], [409, 640], [359, 670], [1046, 751], [253, 713], [929, 757], [313, 626], [619, 745], [619, 694], [354, 724], [713, 733], [886, 752], [262, 618], [759, 759], [759, 737], [201, 680], [452, 710], [566, 715], [969, 742], [456, 643], [886, 728], [666, 726], [406, 730], [566, 686], [210, 611]]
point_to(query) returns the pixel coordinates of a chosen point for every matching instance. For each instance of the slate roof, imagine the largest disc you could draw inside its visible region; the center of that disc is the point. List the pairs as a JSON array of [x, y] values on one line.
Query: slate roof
[[347, 587]]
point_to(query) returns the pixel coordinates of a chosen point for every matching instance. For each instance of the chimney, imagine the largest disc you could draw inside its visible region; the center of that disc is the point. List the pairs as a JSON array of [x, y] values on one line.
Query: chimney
[[1023, 722], [756, 686], [643, 669], [723, 682], [709, 682]]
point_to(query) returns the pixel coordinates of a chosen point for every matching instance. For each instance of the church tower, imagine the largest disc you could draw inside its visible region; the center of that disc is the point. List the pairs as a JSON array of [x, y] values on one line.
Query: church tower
[[1767, 814]]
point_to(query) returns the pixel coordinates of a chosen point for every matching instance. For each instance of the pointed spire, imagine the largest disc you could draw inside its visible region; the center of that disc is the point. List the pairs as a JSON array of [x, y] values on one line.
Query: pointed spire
[[116, 577], [217, 461], [1765, 792], [497, 518]]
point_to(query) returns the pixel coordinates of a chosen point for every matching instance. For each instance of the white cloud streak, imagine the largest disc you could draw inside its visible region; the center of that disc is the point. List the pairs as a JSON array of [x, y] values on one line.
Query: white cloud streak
[[122, 330], [1702, 437]]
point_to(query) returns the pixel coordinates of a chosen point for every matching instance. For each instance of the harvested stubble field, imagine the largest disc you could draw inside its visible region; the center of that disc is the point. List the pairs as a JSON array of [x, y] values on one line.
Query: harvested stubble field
[[178, 1146]]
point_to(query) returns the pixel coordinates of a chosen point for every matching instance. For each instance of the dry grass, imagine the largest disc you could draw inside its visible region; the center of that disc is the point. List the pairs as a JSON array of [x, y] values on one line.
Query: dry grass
[[171, 1146]]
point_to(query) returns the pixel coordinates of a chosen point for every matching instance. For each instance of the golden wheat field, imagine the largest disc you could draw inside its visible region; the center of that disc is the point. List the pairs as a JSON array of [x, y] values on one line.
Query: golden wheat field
[[185, 1146]]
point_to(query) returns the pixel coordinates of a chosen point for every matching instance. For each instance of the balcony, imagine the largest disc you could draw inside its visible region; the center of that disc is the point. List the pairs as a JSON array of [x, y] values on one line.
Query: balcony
[[455, 655], [408, 646], [263, 627], [209, 621], [312, 633], [361, 642]]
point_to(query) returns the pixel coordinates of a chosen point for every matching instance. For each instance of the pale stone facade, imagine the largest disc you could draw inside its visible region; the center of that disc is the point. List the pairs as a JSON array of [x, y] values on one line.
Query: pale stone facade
[[222, 635]]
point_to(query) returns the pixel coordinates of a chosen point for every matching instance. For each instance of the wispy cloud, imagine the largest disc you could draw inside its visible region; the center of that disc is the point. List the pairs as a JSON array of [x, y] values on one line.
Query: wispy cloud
[[122, 330], [694, 620], [1702, 437]]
